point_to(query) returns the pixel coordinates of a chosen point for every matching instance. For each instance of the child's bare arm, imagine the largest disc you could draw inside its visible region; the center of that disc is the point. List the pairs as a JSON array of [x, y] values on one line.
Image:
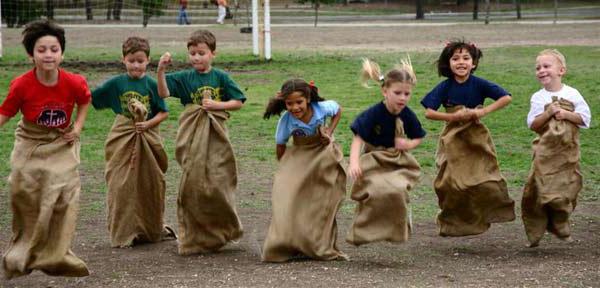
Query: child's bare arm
[[461, 115], [572, 117], [145, 125], [73, 134], [502, 102], [541, 120], [407, 144], [280, 150], [161, 80], [3, 120], [213, 105], [334, 121], [354, 165]]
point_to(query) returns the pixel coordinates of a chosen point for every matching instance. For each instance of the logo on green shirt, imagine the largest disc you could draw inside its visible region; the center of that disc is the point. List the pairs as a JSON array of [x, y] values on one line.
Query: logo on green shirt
[[206, 92], [124, 100]]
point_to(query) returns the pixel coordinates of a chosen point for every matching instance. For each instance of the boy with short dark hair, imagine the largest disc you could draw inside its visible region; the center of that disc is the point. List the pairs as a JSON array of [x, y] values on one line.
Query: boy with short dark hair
[[44, 179], [206, 203], [135, 157]]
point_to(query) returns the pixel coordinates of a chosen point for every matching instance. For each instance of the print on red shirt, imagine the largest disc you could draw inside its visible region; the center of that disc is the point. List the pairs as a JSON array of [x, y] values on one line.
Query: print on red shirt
[[52, 116]]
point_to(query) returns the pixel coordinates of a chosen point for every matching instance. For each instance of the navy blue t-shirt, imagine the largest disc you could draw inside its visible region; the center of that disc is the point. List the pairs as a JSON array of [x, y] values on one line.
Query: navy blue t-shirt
[[471, 93], [377, 126]]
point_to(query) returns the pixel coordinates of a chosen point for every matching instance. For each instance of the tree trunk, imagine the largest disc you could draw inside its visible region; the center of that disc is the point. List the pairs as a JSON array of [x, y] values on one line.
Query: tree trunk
[[487, 12], [555, 11], [518, 8], [420, 13], [50, 9], [88, 10], [475, 9], [317, 4], [117, 9]]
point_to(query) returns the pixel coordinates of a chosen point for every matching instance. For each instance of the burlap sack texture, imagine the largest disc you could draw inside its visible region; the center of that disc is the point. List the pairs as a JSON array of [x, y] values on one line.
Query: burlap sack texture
[[471, 191], [383, 212], [550, 195], [206, 209], [135, 175], [44, 190], [308, 189]]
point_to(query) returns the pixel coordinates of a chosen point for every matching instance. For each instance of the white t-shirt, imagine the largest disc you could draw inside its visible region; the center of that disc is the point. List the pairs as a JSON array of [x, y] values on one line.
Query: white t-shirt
[[540, 98]]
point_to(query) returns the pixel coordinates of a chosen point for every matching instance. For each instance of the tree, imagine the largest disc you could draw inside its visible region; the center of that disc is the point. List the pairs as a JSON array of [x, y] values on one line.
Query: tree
[[20, 12], [88, 10], [50, 9], [518, 8], [420, 13], [487, 12], [150, 8], [114, 10], [317, 5], [475, 9]]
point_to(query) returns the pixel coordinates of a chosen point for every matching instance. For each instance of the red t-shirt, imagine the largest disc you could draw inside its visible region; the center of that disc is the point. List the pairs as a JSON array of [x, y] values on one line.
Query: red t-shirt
[[46, 106]]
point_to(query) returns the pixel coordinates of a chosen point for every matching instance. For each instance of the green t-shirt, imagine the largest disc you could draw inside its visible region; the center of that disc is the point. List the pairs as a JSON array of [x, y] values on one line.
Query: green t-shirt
[[116, 92], [190, 86]]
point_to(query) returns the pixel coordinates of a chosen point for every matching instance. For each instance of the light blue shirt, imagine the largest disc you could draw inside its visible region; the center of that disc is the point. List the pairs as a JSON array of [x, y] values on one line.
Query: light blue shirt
[[289, 125]]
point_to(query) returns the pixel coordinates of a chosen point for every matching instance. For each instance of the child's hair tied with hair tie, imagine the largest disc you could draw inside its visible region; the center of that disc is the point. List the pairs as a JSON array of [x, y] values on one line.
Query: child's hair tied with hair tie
[[311, 84], [473, 45], [447, 44]]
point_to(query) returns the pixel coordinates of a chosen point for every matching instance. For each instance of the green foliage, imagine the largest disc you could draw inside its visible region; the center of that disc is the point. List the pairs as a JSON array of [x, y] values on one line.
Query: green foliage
[[20, 12], [152, 7]]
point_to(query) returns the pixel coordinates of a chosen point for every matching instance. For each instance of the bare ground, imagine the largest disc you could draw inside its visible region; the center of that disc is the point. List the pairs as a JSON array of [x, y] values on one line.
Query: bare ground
[[497, 258]]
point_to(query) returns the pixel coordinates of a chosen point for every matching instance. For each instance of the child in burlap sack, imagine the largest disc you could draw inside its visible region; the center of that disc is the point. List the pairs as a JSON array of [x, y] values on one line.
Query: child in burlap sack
[[386, 171], [136, 160], [44, 179], [556, 114], [471, 191], [310, 182], [206, 208]]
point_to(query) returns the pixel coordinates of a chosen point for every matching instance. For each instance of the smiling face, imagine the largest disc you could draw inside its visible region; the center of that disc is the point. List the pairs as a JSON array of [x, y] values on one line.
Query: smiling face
[[549, 72], [397, 95], [461, 64], [47, 53], [136, 64], [298, 105], [200, 57]]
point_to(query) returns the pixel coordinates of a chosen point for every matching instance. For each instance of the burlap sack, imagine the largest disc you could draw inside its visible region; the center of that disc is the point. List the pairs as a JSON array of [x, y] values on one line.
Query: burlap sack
[[135, 175], [471, 191], [383, 213], [206, 208], [44, 188], [555, 180], [308, 189]]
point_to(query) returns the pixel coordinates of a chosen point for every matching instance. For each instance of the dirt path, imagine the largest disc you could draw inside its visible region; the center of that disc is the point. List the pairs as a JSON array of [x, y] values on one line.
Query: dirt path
[[497, 258], [395, 38]]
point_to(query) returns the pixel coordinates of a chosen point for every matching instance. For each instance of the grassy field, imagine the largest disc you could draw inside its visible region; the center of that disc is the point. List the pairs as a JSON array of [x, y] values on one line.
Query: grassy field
[[336, 76]]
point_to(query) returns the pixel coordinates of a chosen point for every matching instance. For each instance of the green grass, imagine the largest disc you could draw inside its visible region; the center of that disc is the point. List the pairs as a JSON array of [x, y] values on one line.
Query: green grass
[[336, 76]]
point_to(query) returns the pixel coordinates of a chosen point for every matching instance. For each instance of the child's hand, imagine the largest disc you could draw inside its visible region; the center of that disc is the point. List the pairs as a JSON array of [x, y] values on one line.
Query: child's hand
[[326, 137], [461, 115], [70, 136], [402, 144], [562, 114], [140, 127], [355, 171], [211, 105], [553, 108], [164, 61], [477, 113]]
